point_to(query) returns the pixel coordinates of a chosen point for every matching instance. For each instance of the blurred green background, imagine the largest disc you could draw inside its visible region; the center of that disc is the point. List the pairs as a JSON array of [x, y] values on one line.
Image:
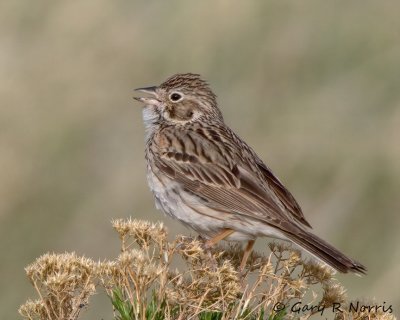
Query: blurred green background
[[313, 86]]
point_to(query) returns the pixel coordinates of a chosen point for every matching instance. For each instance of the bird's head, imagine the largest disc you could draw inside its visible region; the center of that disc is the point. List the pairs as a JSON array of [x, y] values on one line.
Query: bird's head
[[182, 98]]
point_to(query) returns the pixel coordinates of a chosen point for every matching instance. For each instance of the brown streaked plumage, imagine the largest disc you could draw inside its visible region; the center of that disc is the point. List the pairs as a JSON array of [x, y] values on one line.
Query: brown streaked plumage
[[204, 175]]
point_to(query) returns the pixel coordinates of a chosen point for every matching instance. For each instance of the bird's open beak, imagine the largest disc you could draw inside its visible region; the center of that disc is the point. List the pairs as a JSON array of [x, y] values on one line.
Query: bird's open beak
[[148, 100]]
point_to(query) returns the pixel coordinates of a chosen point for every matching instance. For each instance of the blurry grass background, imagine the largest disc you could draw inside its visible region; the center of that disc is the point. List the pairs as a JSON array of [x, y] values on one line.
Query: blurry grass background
[[313, 86]]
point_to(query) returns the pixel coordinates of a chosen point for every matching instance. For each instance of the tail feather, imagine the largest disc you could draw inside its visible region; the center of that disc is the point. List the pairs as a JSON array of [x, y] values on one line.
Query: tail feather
[[325, 252]]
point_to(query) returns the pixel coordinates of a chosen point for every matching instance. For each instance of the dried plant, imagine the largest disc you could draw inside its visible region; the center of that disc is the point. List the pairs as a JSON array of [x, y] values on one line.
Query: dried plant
[[156, 279], [64, 283]]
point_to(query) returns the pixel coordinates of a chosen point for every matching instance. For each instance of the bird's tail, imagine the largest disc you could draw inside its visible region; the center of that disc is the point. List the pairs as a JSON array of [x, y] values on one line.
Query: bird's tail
[[325, 252]]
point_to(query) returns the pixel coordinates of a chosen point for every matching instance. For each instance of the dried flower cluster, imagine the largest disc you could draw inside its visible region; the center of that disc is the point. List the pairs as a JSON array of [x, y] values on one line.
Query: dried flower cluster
[[156, 279], [64, 283]]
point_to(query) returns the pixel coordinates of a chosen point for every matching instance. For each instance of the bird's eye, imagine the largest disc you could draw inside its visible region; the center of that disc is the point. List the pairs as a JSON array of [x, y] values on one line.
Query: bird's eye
[[175, 97]]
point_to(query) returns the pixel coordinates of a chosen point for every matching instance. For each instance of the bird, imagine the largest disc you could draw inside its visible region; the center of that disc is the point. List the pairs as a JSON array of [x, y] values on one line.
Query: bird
[[204, 175]]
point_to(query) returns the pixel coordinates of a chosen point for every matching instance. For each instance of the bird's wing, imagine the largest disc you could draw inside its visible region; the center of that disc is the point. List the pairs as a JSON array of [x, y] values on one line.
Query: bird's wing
[[213, 170], [282, 193]]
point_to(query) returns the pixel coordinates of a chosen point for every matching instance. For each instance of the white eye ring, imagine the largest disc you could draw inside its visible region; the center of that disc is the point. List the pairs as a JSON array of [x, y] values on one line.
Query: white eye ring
[[175, 96]]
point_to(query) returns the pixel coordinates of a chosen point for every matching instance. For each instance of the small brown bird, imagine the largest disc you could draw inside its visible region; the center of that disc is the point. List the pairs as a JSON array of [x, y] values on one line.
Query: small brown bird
[[204, 175]]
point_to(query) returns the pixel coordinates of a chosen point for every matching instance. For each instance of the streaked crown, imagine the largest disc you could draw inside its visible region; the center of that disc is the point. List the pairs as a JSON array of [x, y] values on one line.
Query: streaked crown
[[192, 84]]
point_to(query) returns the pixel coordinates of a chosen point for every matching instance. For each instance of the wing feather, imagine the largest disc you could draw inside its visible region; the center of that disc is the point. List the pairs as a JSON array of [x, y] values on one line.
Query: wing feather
[[283, 194]]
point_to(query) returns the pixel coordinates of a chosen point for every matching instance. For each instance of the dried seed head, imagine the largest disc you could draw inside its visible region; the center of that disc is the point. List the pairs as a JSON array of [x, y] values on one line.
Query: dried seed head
[[142, 232], [49, 266], [333, 293], [137, 262], [189, 248], [317, 272], [64, 281], [33, 309]]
